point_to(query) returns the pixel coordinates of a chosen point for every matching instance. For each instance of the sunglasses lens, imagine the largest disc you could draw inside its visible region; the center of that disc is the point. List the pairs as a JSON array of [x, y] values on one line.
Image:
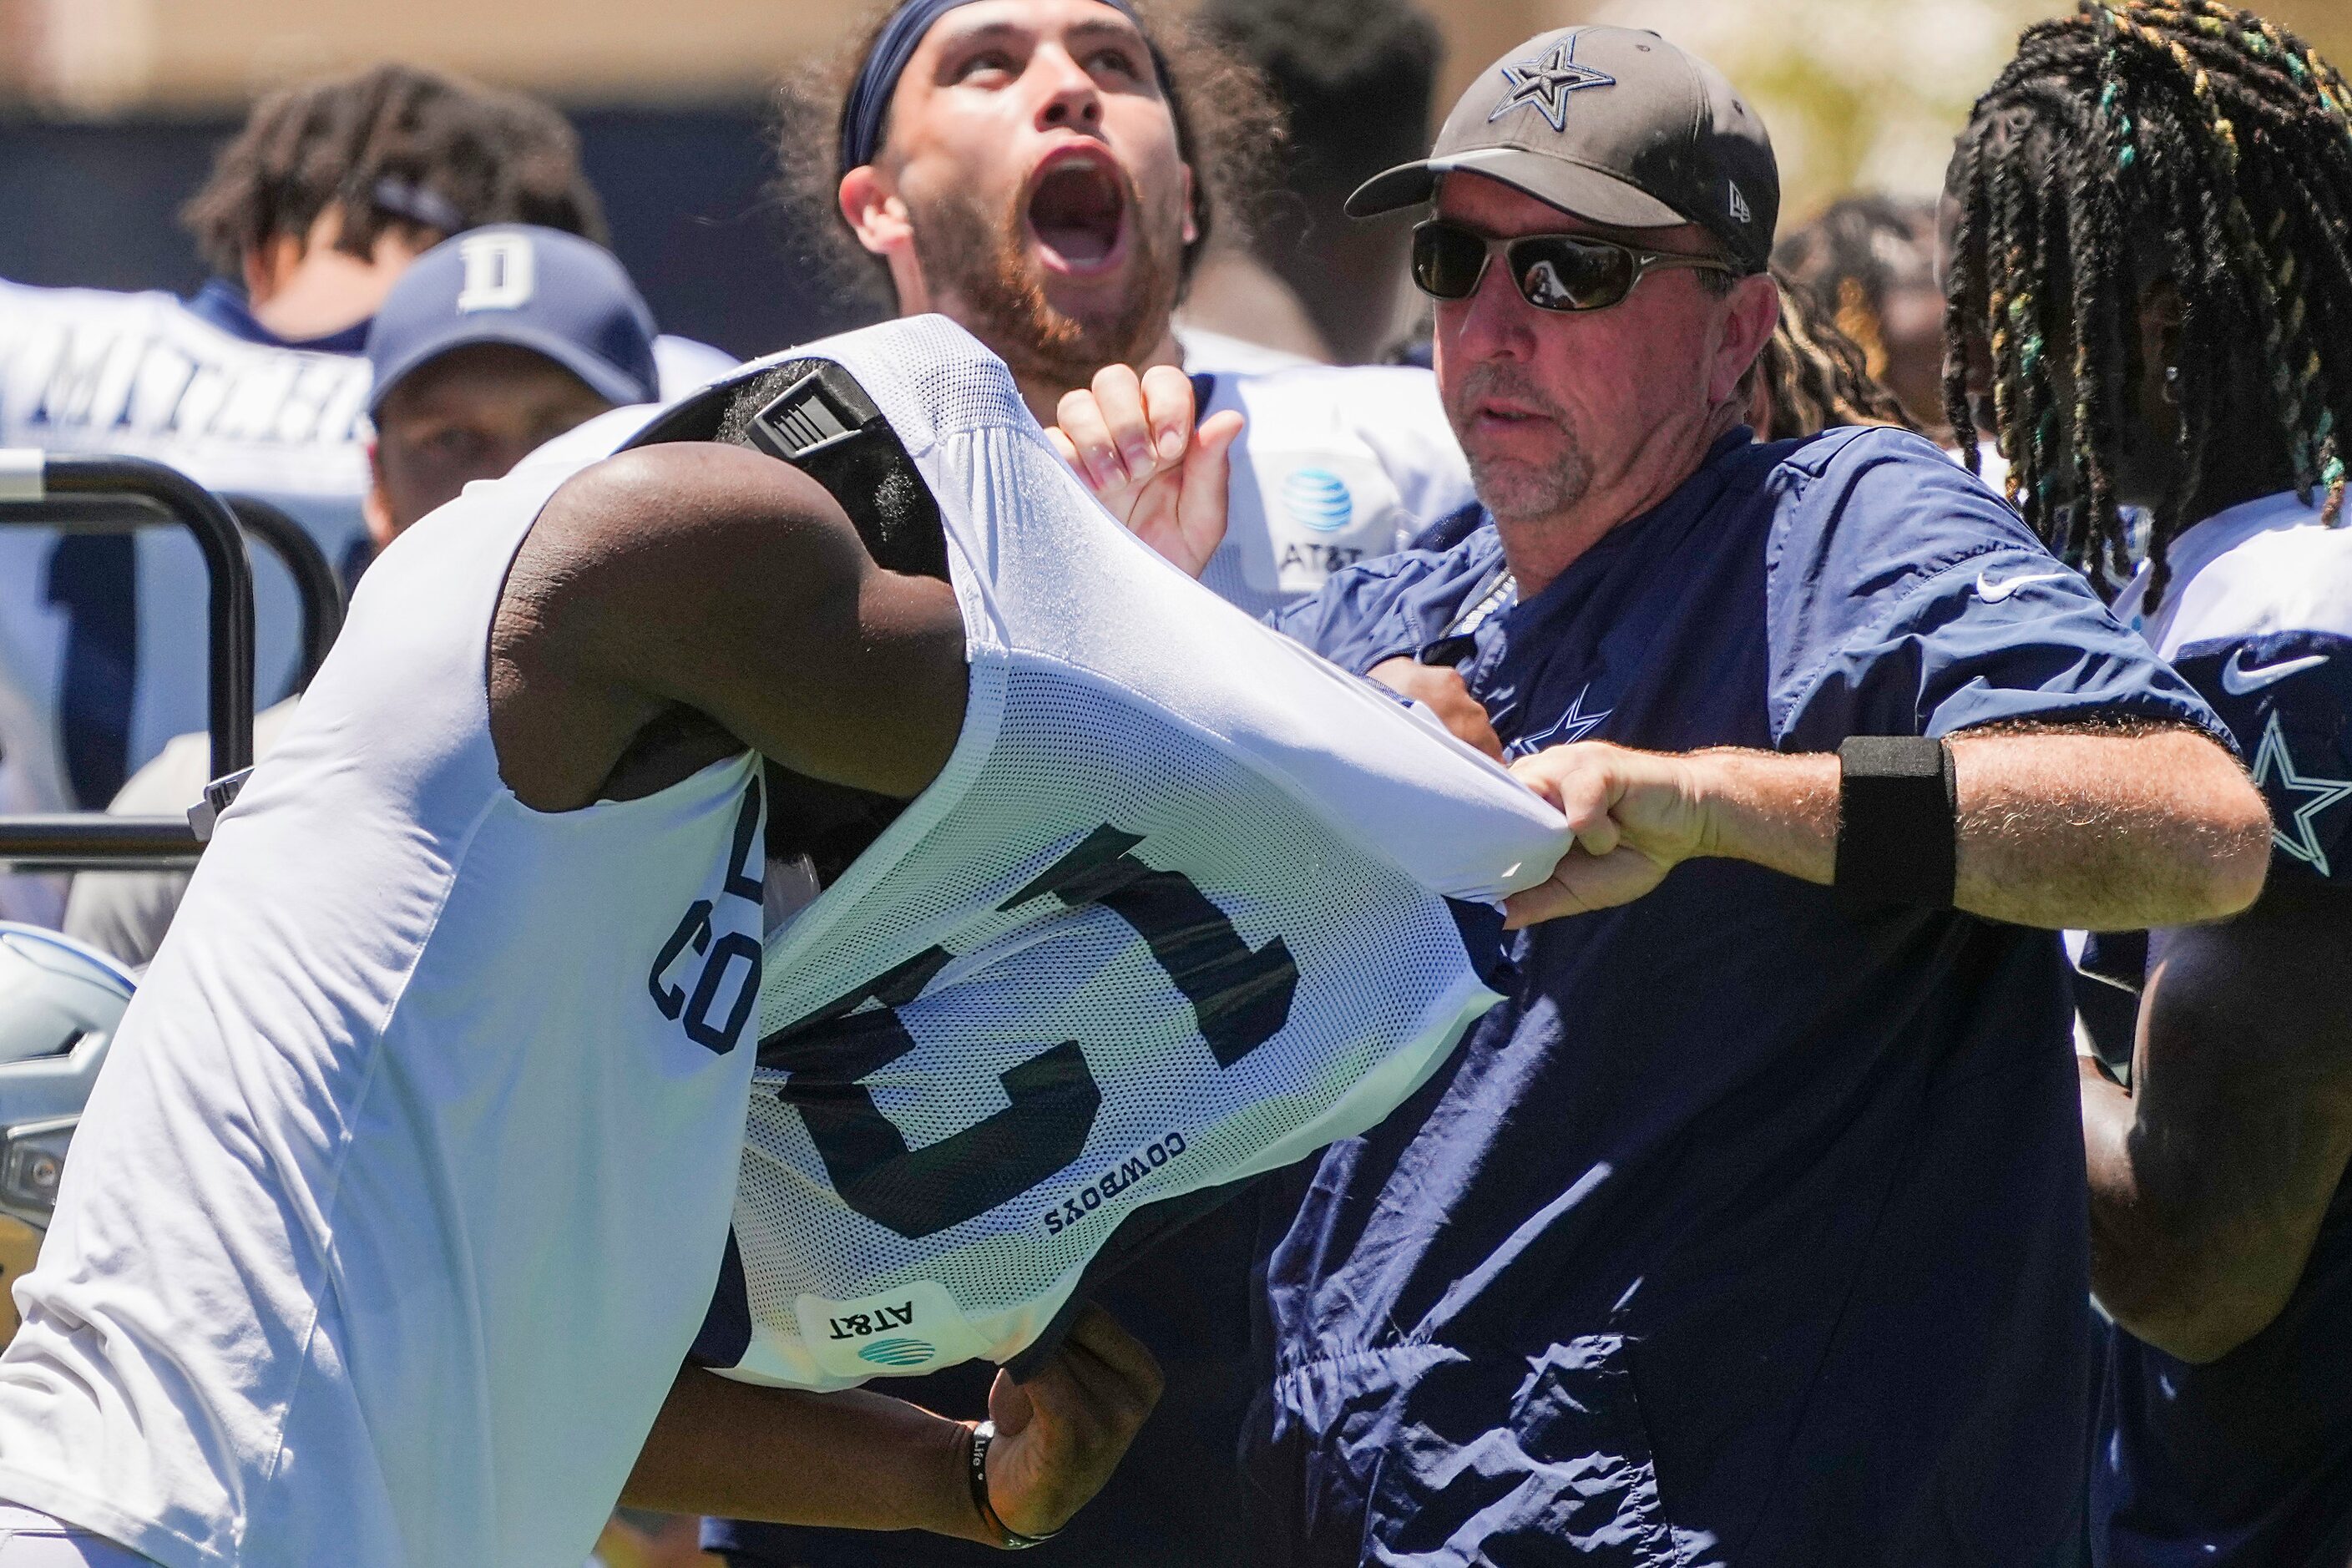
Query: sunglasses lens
[[1555, 272], [1446, 262]]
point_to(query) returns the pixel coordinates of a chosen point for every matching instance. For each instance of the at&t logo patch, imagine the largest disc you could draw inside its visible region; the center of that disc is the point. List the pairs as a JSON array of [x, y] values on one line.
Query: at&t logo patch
[[896, 1353], [1318, 499]]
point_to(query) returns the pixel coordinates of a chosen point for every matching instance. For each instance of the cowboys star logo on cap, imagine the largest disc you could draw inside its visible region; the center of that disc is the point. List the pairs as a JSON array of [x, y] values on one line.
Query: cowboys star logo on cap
[[1672, 142], [1544, 83]]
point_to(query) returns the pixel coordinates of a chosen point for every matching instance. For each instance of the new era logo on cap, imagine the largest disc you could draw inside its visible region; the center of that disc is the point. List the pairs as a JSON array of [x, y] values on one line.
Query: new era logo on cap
[[1544, 82], [1739, 213]]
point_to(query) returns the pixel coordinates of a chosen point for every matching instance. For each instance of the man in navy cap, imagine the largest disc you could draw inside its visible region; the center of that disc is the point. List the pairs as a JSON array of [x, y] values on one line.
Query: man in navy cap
[[1751, 1229], [494, 343], [332, 187], [490, 345]]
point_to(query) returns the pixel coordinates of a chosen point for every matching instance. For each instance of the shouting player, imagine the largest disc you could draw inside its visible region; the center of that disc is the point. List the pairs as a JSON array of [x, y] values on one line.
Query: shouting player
[[409, 1181], [1047, 173], [2173, 330]]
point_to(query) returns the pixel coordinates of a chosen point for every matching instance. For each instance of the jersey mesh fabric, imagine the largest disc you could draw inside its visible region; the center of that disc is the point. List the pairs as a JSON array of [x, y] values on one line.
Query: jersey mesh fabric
[[1028, 977], [1310, 832]]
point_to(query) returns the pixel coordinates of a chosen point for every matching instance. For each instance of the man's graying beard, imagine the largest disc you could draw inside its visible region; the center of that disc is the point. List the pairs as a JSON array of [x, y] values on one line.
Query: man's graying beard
[[1513, 489], [983, 258]]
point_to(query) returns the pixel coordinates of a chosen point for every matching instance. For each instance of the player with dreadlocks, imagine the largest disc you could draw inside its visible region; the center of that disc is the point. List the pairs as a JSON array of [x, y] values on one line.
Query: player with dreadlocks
[[2152, 280]]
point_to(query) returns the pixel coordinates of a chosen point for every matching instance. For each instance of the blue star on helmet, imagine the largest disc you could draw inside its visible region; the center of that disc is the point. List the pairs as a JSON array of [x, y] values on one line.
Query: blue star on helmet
[[1544, 83], [2274, 763]]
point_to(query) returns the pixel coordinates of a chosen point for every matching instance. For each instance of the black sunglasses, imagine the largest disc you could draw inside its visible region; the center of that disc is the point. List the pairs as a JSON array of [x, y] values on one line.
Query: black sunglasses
[[1552, 271]]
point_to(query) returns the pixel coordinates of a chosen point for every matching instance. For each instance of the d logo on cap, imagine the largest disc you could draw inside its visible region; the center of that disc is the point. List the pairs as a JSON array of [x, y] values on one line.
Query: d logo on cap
[[501, 272]]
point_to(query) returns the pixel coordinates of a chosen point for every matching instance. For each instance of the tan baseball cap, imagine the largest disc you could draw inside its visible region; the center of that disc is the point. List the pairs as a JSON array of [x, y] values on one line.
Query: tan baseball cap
[[1614, 125]]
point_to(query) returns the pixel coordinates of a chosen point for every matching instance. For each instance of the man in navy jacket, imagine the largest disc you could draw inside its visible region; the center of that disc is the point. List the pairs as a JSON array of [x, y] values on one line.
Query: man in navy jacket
[[1751, 1229]]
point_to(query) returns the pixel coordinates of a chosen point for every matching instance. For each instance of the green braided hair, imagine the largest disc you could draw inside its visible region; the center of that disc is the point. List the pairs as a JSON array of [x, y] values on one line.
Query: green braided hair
[[2136, 139]]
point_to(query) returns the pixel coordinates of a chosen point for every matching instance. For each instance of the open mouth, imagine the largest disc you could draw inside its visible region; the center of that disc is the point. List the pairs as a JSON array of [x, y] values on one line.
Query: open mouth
[[1078, 213]]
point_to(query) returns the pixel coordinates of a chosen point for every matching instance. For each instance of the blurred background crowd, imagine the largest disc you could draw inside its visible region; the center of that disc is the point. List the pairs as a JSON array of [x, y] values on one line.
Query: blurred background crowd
[[114, 110]]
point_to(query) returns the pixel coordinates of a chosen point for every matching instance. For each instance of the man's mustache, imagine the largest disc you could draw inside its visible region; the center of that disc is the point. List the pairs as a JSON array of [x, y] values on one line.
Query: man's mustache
[[1503, 382]]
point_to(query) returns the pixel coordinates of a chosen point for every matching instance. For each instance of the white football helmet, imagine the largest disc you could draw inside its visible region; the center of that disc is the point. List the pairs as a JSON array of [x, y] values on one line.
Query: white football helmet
[[59, 1002]]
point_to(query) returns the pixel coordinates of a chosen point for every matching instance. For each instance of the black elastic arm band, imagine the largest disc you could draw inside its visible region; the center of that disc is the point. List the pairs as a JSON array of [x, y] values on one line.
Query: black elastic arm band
[[1898, 824]]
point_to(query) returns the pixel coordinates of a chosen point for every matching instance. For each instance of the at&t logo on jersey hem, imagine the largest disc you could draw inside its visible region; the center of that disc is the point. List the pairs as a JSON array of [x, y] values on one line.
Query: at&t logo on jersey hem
[[915, 1326]]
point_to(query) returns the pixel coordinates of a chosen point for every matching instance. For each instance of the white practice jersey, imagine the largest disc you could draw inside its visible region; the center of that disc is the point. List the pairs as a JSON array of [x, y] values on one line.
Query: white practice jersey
[[2258, 618], [396, 1205], [1186, 903], [200, 387], [1337, 464], [1220, 354]]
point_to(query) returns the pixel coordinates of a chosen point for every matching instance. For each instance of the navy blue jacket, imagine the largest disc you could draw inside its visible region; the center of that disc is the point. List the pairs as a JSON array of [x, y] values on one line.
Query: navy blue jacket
[[1746, 1231]]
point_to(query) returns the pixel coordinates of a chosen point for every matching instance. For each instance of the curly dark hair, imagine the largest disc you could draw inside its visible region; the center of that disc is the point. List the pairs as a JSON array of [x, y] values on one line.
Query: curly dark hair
[[1229, 130], [1357, 76], [393, 147], [1814, 376], [2142, 138], [1858, 252]]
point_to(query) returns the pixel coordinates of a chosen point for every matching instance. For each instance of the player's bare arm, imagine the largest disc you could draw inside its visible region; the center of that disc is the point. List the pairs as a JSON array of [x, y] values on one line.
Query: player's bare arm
[[2090, 829], [861, 1460], [1440, 690], [2211, 1175], [675, 604]]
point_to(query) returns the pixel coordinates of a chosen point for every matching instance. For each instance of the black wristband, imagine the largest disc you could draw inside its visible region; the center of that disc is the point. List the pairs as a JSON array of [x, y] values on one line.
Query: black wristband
[[1007, 1538], [1898, 824]]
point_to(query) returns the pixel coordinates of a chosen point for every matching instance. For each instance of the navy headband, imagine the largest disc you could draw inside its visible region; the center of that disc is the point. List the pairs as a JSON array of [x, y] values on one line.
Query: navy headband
[[877, 79]]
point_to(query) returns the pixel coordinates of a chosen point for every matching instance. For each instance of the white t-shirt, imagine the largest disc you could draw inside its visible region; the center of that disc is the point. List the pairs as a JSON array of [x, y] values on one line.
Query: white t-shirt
[[398, 1201], [1221, 353], [1336, 464]]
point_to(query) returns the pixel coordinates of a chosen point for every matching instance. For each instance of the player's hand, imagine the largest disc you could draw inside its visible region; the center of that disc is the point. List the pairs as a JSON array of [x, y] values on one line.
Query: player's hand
[[1133, 441], [1636, 815], [1061, 1434], [1440, 689]]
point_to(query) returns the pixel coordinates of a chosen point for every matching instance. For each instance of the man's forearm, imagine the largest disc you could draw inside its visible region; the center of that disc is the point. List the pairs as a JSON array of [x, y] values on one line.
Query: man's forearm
[[2106, 832], [852, 1460], [2056, 829]]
